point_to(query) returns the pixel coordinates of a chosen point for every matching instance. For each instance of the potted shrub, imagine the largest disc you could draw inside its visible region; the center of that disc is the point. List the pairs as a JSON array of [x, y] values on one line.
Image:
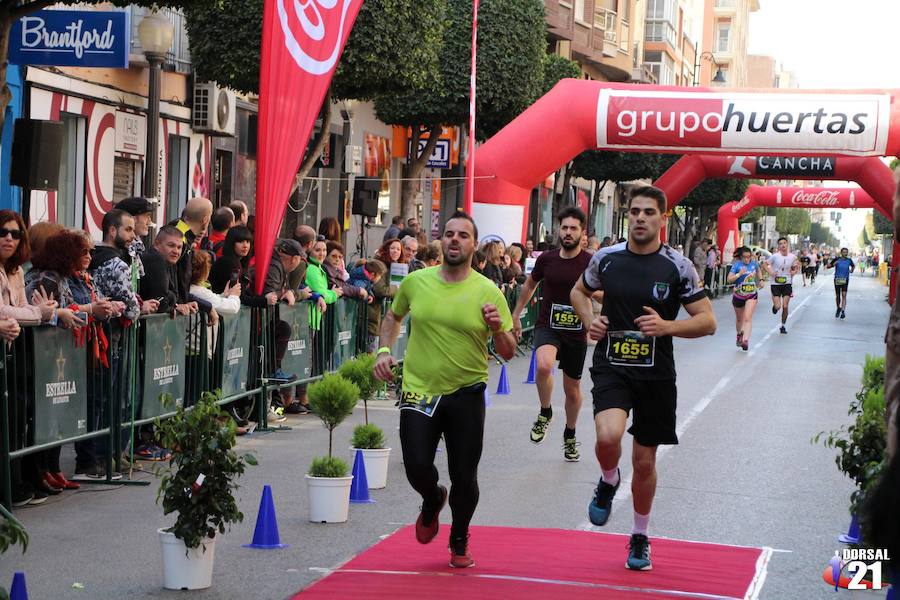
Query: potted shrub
[[198, 486], [370, 439], [862, 445], [11, 533], [328, 482], [360, 371]]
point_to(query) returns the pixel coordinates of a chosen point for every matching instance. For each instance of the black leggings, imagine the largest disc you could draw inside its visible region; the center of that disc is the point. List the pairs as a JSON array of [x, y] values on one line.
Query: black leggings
[[460, 418]]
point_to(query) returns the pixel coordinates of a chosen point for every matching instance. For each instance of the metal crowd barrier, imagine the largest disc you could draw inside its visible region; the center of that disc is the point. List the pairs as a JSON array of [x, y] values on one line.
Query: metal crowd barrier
[[56, 389]]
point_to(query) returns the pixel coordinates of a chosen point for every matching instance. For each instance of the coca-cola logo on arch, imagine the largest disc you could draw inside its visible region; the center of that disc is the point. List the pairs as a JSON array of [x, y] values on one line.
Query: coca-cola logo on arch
[[313, 31], [821, 198], [737, 206]]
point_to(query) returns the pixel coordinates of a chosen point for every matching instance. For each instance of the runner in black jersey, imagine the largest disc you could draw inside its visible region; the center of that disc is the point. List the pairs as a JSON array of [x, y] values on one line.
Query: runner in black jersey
[[645, 283]]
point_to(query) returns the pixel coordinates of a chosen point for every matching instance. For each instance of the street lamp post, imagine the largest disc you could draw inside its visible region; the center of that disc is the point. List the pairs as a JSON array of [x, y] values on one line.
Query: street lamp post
[[156, 33], [719, 76]]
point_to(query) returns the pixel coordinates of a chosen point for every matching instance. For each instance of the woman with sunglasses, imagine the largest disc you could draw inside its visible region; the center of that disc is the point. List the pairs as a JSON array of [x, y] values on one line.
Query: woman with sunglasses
[[15, 309]]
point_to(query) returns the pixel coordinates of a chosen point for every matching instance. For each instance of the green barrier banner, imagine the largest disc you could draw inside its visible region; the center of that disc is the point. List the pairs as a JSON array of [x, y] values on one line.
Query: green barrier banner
[[60, 385], [345, 331], [529, 315], [164, 361], [399, 349], [236, 351], [298, 358]]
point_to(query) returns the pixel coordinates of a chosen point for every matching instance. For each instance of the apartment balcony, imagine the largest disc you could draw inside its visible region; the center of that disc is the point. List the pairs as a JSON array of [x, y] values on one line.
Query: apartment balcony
[[601, 43], [725, 8], [642, 74], [560, 19]]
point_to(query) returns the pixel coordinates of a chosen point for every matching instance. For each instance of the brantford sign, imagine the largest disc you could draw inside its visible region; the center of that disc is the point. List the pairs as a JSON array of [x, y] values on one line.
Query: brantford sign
[[73, 38]]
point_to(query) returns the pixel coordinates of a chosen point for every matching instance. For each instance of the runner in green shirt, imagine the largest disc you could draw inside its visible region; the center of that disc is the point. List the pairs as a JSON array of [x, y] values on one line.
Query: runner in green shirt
[[454, 312]]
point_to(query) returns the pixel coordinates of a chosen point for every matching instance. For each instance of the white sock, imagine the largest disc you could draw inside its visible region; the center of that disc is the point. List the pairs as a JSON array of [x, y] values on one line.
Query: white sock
[[611, 477], [641, 523]]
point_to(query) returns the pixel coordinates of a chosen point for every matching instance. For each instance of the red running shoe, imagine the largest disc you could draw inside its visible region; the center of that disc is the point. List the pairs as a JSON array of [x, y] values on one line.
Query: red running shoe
[[62, 482], [425, 531], [460, 557]]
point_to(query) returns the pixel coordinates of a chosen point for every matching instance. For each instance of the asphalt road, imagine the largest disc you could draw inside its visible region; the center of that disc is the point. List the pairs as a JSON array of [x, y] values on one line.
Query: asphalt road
[[744, 473]]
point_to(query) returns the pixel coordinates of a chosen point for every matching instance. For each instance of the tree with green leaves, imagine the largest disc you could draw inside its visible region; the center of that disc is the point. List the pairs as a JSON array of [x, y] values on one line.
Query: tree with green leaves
[[820, 234], [13, 10], [379, 58], [702, 206], [511, 50], [792, 221], [882, 225]]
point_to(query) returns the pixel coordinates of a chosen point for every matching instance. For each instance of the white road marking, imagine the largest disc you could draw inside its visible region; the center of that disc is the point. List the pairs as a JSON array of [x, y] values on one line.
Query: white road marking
[[540, 580]]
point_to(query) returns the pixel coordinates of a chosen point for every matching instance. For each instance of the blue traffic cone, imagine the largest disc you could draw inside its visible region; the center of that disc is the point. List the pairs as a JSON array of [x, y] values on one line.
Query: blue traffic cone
[[532, 369], [487, 398], [18, 590], [852, 536], [359, 489], [266, 537], [503, 386]]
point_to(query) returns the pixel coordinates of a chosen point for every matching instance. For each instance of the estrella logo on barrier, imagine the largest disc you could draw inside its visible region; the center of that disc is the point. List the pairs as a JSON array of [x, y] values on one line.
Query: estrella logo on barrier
[[742, 122], [319, 28]]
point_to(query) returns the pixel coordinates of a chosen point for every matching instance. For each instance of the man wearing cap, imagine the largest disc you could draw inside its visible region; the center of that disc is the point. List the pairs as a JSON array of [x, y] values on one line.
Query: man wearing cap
[[142, 210]]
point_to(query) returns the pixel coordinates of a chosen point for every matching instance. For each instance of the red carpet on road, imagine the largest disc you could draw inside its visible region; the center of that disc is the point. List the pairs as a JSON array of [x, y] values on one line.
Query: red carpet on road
[[528, 564]]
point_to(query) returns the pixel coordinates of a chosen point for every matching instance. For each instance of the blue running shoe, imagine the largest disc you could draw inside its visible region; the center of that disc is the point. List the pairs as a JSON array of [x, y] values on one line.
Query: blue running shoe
[[601, 504], [639, 553]]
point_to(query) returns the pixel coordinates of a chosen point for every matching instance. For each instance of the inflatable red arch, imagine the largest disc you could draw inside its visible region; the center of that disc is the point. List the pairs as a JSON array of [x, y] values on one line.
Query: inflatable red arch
[[578, 115], [786, 197], [871, 173]]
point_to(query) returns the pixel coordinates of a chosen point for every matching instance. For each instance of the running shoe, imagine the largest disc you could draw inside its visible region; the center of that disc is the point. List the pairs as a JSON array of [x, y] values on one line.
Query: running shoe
[[745, 345], [601, 504], [837, 313], [843, 314], [296, 408], [276, 415], [89, 473], [570, 449], [738, 339], [783, 330], [639, 553], [460, 557], [427, 524], [539, 429]]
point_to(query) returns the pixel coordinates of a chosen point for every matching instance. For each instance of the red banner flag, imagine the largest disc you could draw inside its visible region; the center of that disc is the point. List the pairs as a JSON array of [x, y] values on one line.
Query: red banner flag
[[301, 43]]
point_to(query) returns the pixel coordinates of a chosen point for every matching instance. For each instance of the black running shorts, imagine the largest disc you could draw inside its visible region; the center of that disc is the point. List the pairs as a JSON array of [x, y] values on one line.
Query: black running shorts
[[741, 302], [840, 288], [653, 402], [569, 352], [782, 290]]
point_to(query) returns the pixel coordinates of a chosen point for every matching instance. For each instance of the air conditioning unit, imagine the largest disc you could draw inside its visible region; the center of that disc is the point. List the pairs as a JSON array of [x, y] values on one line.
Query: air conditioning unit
[[215, 109]]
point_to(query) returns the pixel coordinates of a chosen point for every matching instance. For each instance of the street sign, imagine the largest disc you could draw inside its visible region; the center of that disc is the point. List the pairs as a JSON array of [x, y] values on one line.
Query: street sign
[[71, 38], [440, 156]]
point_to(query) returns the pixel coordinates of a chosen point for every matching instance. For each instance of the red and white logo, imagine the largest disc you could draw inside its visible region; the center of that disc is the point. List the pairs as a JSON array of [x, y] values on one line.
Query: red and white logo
[[737, 206], [821, 198], [743, 122], [317, 24]]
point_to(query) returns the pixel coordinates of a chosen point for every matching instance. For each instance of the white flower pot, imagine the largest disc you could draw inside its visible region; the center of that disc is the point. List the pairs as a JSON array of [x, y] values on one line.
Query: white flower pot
[[329, 498], [185, 569], [376, 461]]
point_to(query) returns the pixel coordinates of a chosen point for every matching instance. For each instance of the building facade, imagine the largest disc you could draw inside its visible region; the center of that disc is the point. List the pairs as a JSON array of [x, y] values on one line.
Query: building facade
[[726, 25]]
